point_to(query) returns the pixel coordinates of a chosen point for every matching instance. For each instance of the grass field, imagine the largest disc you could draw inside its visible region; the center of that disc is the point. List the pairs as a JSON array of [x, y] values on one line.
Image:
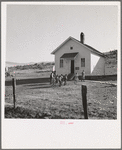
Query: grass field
[[30, 73], [41, 100]]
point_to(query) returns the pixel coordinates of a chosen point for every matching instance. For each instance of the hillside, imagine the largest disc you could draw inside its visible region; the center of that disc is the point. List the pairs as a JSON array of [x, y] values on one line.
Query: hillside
[[111, 57], [12, 64], [111, 62], [42, 65]]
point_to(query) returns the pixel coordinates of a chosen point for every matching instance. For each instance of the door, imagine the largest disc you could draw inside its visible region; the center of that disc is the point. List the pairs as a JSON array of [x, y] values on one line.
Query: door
[[72, 66]]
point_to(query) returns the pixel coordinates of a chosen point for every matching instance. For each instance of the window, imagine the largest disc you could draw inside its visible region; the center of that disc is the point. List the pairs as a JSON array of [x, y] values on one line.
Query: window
[[82, 62], [71, 47], [61, 63], [76, 68]]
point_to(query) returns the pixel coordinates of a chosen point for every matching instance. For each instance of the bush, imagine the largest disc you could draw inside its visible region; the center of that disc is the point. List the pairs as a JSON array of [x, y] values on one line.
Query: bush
[[7, 74]]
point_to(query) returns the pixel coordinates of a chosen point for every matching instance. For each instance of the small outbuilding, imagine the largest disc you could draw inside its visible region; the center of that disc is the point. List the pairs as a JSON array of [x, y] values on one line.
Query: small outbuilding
[[74, 56]]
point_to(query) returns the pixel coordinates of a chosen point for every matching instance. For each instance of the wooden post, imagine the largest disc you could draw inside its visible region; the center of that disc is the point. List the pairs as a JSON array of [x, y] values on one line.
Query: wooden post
[[84, 100], [14, 92]]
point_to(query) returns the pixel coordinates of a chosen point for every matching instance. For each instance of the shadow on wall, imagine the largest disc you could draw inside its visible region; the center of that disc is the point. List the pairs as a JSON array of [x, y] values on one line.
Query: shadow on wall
[[97, 67]]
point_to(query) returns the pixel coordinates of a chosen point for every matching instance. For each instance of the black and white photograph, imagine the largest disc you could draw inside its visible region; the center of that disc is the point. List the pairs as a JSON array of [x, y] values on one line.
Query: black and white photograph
[[61, 64]]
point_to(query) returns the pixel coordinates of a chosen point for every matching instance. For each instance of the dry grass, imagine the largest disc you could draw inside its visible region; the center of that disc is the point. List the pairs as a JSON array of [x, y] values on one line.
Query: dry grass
[[44, 101], [30, 73]]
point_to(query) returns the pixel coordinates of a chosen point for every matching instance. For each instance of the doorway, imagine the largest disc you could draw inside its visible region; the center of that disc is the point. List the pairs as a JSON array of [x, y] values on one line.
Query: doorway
[[72, 66]]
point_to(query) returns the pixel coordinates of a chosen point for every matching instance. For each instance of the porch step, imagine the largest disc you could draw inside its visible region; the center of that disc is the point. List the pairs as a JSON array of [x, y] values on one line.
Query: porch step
[[71, 76]]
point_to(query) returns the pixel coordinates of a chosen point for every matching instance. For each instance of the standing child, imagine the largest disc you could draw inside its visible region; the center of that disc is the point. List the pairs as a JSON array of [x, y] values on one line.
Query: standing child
[[60, 80], [57, 78], [65, 79], [51, 76], [83, 75], [76, 78]]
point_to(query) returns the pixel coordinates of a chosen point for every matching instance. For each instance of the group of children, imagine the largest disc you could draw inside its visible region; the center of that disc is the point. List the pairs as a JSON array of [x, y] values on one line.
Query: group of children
[[54, 78]]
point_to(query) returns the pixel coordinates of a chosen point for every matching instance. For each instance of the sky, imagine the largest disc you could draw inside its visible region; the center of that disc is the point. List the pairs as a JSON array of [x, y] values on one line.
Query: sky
[[34, 31]]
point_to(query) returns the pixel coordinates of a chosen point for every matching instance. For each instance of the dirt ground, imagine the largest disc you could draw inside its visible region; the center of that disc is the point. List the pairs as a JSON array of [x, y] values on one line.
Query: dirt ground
[[41, 100]]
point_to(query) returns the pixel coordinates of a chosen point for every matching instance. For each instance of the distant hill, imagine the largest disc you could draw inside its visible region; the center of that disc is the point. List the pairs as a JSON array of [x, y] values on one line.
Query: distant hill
[[12, 64], [41, 66], [111, 62], [111, 57]]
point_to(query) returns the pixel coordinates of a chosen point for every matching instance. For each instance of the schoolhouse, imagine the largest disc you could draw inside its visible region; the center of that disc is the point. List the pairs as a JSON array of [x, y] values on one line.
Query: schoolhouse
[[74, 56]]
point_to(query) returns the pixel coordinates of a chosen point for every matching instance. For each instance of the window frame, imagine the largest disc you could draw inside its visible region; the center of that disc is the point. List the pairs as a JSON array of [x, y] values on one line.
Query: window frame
[[71, 47], [82, 62], [61, 63]]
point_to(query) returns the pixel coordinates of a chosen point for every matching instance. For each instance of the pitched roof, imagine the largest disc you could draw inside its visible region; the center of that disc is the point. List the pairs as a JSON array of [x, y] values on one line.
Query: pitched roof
[[69, 55], [85, 45], [93, 49]]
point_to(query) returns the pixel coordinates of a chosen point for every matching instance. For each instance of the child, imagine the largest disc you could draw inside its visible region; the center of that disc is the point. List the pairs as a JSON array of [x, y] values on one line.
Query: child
[[76, 78], [83, 75], [57, 78], [51, 76], [60, 80], [65, 79]]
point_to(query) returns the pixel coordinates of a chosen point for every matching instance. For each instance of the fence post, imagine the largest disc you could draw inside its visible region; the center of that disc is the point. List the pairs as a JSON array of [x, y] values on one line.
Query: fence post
[[14, 92], [84, 100]]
